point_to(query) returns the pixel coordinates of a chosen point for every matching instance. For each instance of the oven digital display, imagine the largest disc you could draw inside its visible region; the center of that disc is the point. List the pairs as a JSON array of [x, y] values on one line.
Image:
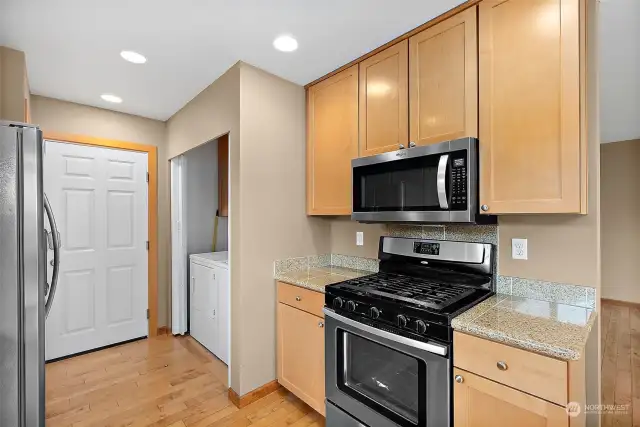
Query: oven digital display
[[458, 163], [426, 248]]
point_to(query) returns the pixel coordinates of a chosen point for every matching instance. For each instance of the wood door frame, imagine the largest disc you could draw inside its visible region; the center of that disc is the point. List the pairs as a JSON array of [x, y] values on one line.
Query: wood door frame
[[152, 166]]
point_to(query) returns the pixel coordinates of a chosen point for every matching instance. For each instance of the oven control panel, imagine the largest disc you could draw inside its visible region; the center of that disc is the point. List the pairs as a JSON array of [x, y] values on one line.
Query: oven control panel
[[388, 317], [459, 182]]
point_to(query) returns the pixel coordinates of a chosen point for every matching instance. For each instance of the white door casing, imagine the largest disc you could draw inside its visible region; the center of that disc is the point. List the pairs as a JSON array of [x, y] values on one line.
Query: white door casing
[[100, 198], [178, 248]]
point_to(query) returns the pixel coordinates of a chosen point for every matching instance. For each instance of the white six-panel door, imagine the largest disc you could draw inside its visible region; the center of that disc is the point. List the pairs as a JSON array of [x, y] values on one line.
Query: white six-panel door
[[99, 197]]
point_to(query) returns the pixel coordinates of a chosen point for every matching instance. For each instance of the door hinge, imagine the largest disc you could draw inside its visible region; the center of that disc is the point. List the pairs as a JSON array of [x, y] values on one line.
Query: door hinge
[[147, 245], [147, 313], [147, 176]]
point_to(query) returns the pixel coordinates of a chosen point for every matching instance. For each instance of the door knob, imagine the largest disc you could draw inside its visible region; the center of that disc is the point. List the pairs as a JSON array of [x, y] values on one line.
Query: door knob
[[502, 365], [321, 324], [484, 208], [412, 144], [459, 379], [401, 146], [298, 299]]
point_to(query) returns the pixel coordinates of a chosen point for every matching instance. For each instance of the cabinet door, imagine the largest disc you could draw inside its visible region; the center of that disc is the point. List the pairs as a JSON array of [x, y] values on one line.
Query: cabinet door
[[301, 355], [384, 100], [530, 148], [332, 142], [478, 402], [443, 84]]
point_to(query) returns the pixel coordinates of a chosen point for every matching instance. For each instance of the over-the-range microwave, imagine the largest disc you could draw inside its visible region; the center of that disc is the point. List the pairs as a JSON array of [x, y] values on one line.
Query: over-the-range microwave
[[428, 184]]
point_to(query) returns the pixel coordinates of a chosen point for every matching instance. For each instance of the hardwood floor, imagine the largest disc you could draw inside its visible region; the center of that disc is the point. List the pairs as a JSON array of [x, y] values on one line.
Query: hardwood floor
[[620, 340], [164, 381]]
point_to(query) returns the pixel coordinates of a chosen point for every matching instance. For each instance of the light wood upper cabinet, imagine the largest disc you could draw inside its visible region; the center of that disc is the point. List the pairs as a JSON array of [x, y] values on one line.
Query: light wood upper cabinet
[[301, 355], [332, 142], [479, 402], [443, 80], [530, 143], [384, 100]]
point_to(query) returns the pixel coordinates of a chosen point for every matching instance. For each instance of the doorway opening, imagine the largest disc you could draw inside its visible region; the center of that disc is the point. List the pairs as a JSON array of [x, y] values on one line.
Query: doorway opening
[[200, 290]]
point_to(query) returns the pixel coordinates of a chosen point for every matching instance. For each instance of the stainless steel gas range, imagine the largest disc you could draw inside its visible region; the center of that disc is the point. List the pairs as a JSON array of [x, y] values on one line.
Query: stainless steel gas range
[[388, 336]]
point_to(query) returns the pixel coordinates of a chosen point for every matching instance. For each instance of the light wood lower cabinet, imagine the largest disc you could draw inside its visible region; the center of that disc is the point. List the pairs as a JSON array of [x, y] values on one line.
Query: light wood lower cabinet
[[300, 352], [479, 402]]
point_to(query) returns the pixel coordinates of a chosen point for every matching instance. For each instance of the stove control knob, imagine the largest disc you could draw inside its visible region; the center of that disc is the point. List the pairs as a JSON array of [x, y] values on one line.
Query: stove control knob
[[374, 313], [351, 306], [338, 302], [401, 321], [421, 327]]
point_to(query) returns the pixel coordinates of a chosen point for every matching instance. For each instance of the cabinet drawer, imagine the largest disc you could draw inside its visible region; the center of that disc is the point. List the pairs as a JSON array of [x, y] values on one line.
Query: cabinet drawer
[[301, 298], [532, 373]]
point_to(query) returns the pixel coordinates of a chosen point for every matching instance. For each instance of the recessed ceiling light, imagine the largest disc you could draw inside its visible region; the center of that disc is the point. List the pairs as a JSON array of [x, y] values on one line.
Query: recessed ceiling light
[[132, 56], [111, 98], [285, 43]]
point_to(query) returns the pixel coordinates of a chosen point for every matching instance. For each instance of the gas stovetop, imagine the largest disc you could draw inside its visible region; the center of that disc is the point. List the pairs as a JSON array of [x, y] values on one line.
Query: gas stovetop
[[417, 294], [406, 289]]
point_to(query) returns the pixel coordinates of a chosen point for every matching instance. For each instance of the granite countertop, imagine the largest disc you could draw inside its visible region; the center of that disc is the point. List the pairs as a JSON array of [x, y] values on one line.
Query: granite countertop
[[553, 329], [316, 278]]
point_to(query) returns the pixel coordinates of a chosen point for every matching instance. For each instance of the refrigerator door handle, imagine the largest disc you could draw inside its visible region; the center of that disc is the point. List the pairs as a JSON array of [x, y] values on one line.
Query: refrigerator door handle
[[55, 238]]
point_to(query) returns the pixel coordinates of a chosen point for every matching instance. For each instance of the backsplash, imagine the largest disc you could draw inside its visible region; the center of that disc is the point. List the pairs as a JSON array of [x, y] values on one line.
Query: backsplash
[[325, 260], [460, 233]]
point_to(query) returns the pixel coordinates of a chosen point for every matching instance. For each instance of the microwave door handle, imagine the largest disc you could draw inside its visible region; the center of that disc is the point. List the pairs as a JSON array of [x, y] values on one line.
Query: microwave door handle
[[443, 200]]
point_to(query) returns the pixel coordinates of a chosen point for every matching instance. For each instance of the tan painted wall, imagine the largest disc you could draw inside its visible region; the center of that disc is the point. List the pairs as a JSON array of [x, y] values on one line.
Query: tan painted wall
[[272, 210], [67, 117], [343, 237], [620, 179], [12, 84]]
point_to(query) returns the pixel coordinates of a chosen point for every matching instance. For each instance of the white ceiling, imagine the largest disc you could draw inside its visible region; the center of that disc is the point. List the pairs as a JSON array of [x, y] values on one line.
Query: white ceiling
[[73, 46], [619, 47]]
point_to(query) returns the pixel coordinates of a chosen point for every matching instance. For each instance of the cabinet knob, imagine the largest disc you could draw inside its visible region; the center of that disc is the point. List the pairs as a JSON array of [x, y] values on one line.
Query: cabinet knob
[[502, 365], [484, 208], [412, 144], [321, 324], [459, 379], [401, 146], [298, 299]]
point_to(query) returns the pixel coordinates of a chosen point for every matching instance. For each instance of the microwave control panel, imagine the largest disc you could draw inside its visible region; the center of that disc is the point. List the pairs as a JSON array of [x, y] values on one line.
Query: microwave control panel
[[459, 193]]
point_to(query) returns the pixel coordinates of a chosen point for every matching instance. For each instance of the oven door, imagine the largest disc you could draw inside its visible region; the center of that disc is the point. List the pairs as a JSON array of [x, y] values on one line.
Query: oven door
[[435, 183], [383, 379]]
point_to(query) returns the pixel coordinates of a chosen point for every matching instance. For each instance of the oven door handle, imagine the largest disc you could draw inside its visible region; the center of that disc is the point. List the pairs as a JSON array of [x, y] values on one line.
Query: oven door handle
[[426, 346], [443, 200]]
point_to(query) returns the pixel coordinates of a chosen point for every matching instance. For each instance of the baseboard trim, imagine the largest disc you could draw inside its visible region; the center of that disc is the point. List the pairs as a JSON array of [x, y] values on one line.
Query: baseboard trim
[[163, 330], [253, 395], [620, 302]]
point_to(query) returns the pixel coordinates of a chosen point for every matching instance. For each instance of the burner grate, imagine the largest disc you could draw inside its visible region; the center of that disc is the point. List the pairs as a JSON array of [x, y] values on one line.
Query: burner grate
[[412, 290]]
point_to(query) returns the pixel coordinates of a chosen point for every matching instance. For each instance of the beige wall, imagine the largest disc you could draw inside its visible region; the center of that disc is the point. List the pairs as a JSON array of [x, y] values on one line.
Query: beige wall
[[12, 84], [61, 116], [265, 116], [343, 237], [272, 211], [620, 179]]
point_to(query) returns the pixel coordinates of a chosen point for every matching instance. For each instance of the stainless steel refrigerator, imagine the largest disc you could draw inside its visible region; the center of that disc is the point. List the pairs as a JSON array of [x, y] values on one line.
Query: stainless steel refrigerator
[[25, 292]]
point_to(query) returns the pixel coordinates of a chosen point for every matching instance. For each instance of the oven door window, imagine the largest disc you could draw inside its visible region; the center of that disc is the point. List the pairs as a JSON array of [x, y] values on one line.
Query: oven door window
[[388, 381]]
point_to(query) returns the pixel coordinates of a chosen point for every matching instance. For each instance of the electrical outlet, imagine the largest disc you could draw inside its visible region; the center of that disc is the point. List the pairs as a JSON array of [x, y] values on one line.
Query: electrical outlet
[[519, 248], [359, 238]]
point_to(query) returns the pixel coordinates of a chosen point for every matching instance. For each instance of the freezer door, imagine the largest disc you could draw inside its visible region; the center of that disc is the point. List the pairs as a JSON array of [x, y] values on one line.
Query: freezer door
[[22, 278]]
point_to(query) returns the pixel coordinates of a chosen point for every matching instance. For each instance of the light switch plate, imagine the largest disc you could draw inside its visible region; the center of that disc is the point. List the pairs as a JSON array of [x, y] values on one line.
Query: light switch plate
[[359, 238], [519, 249]]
